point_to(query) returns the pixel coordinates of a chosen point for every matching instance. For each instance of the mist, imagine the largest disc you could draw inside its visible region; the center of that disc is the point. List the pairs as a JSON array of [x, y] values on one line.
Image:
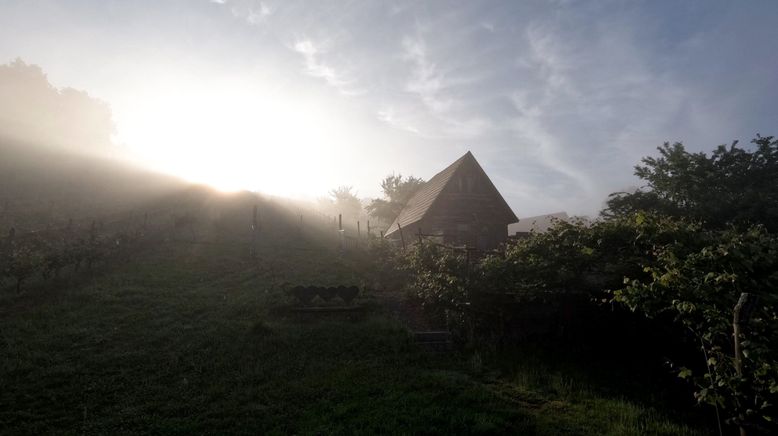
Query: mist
[[267, 217]]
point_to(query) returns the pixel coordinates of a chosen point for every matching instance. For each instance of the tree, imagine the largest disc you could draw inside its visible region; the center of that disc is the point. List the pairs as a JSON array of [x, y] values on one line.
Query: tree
[[346, 202], [397, 191], [731, 186], [31, 109]]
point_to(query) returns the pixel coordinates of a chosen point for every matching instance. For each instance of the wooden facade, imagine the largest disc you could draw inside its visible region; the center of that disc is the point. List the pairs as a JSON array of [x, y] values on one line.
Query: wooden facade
[[458, 206]]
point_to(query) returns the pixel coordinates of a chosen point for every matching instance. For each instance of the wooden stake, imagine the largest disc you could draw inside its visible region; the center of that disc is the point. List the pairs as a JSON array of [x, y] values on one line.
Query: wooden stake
[[741, 315], [254, 228], [402, 238]]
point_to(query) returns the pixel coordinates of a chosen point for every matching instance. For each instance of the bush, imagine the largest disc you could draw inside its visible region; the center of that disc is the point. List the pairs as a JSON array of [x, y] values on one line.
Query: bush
[[675, 271], [699, 287]]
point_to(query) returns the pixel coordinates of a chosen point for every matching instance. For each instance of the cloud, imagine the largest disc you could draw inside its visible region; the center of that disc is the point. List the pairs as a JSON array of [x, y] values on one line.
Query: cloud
[[316, 67], [252, 11], [390, 116], [426, 80], [447, 115]]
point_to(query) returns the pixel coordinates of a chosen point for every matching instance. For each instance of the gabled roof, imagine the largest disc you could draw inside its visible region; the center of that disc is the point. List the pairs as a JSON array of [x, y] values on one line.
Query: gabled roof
[[422, 201]]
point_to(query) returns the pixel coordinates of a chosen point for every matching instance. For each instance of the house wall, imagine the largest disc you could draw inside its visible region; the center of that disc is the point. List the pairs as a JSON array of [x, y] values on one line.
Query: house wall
[[467, 212]]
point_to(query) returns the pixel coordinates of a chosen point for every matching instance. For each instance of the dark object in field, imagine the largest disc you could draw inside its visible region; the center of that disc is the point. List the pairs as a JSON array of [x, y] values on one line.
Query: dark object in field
[[304, 294], [348, 293], [327, 294], [439, 340]]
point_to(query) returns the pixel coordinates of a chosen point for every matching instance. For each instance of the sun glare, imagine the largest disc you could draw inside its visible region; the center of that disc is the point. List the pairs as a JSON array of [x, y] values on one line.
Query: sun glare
[[233, 134]]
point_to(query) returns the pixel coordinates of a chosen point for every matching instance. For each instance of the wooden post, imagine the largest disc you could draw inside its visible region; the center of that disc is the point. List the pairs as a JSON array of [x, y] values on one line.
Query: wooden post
[[402, 238], [359, 232], [741, 315], [368, 229], [382, 234], [341, 233], [254, 228], [420, 236]]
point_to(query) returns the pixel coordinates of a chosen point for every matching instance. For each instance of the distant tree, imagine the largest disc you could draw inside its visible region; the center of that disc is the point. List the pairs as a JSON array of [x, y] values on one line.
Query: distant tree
[[397, 191], [346, 202], [31, 109], [731, 186]]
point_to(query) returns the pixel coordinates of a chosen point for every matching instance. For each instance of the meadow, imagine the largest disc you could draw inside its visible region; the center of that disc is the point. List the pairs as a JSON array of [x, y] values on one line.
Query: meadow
[[183, 337]]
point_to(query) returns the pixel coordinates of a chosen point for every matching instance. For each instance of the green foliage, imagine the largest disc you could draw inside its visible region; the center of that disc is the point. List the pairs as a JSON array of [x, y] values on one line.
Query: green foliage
[[678, 271], [183, 339], [385, 265], [46, 254], [20, 262], [699, 287], [577, 256], [439, 275], [732, 185], [397, 191]]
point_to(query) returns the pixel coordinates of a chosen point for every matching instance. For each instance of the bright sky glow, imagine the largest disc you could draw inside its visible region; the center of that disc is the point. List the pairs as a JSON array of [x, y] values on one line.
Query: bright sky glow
[[557, 99], [232, 133]]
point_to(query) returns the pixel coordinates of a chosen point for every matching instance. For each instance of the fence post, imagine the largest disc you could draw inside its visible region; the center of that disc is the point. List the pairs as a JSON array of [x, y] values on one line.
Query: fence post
[[254, 227], [341, 232], [420, 236], [741, 315], [402, 238], [368, 229], [359, 234]]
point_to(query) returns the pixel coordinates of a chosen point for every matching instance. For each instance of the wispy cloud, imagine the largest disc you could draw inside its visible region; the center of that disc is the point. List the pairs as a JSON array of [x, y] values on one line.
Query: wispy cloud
[[435, 89], [314, 66], [252, 11], [391, 117], [558, 99], [426, 81]]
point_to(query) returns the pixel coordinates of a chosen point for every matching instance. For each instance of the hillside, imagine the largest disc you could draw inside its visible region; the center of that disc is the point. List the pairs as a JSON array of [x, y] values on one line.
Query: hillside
[[179, 329], [187, 338]]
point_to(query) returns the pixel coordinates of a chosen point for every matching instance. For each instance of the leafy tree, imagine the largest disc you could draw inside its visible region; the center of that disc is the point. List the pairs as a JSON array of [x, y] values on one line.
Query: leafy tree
[[698, 282], [346, 202], [31, 109], [732, 185], [397, 191]]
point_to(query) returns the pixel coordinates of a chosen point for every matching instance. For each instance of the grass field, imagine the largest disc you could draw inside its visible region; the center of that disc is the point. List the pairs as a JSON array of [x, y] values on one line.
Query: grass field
[[189, 339]]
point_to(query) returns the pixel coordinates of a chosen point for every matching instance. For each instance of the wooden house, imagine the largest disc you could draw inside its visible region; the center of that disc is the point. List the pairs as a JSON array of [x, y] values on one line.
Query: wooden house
[[458, 206]]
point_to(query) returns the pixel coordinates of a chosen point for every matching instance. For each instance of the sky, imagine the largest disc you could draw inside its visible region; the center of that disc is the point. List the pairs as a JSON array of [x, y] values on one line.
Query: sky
[[557, 100]]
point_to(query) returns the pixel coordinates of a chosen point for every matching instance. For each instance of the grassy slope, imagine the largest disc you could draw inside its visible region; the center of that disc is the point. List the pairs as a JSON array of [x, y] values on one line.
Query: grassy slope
[[184, 340]]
